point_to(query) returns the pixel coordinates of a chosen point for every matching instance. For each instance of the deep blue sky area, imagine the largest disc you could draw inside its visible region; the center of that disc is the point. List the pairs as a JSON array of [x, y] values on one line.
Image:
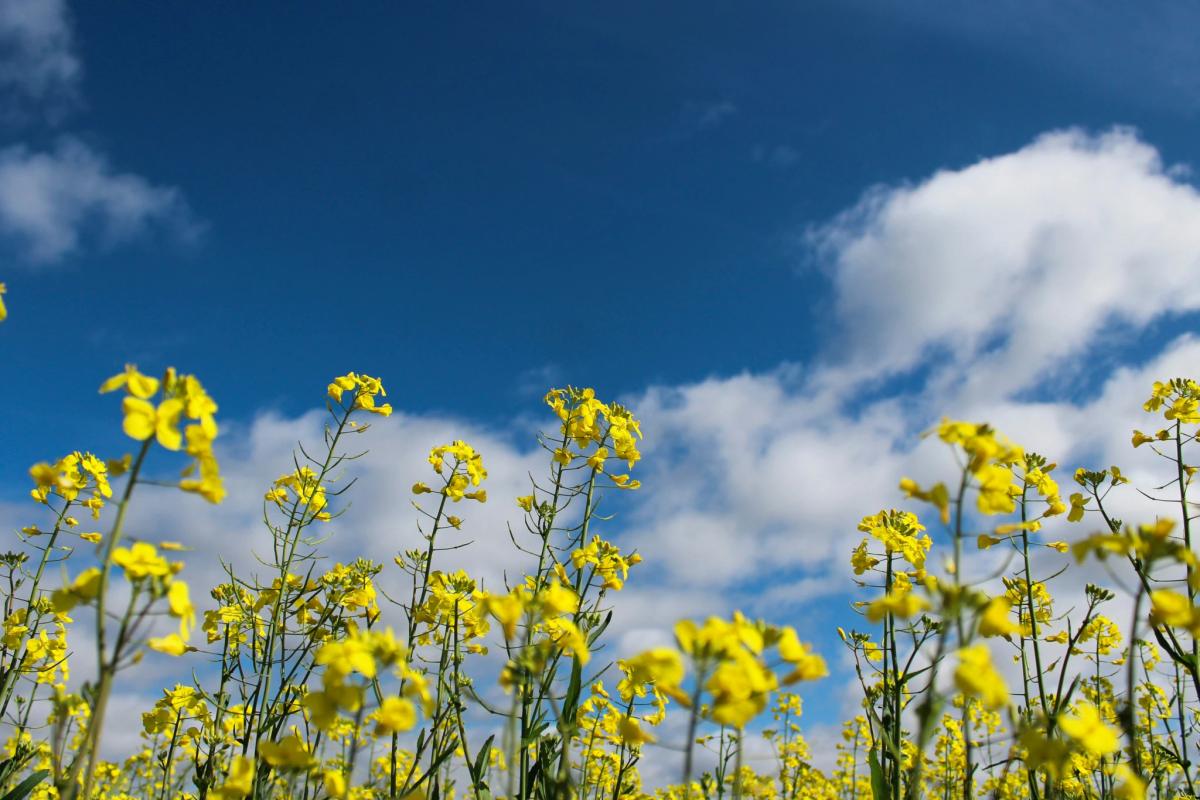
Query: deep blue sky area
[[474, 199]]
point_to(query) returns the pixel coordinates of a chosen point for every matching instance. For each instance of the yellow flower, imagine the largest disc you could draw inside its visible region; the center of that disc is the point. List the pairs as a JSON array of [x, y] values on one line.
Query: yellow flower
[[984, 541], [567, 636], [996, 619], [1078, 504], [661, 666], [507, 609], [349, 655], [335, 784], [1089, 730], [134, 382], [181, 606], [143, 420], [340, 385], [140, 561], [861, 560], [83, 589], [995, 490], [1132, 787], [395, 714], [366, 389], [322, 708], [3, 309], [526, 502], [975, 676], [291, 753], [631, 733], [1054, 506], [1168, 607], [901, 606], [456, 487], [739, 688], [558, 599], [1158, 393], [937, 495], [239, 781], [209, 486], [171, 644], [1184, 409], [806, 665]]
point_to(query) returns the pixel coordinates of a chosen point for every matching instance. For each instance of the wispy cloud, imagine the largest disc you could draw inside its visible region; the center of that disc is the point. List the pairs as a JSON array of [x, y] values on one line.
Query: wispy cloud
[[1143, 53], [51, 201], [780, 156], [698, 117], [38, 62], [54, 202]]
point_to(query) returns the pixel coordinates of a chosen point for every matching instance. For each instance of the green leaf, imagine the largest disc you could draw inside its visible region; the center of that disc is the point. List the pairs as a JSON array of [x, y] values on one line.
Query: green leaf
[[26, 787], [878, 789], [571, 701], [479, 768]]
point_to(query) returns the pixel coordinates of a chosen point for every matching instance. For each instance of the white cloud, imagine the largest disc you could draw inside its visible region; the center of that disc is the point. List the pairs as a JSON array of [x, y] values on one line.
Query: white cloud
[[37, 55], [1013, 264], [51, 201]]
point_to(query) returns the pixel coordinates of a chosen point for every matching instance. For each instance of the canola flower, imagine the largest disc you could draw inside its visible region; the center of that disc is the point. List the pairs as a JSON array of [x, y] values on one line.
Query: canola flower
[[983, 671]]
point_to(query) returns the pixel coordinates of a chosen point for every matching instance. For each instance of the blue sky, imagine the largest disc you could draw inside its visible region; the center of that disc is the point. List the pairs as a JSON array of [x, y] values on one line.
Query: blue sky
[[466, 198], [784, 229]]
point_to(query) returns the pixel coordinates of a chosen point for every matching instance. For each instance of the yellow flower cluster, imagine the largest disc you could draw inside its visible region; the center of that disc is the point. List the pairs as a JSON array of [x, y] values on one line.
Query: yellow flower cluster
[[365, 388], [325, 679], [182, 398], [595, 427], [465, 471], [728, 657]]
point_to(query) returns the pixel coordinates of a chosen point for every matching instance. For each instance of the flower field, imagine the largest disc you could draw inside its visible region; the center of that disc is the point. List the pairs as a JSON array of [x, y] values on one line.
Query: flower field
[[986, 669]]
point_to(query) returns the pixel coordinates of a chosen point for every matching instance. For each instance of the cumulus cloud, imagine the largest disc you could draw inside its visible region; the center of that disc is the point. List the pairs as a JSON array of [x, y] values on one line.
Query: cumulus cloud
[[755, 483], [985, 278], [51, 201], [1013, 264]]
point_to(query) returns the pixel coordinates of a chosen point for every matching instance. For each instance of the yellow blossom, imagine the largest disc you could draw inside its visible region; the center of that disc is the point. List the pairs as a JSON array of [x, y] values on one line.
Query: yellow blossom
[[171, 644], [1089, 730], [976, 676], [240, 780], [138, 385], [289, 753], [901, 606], [395, 714]]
